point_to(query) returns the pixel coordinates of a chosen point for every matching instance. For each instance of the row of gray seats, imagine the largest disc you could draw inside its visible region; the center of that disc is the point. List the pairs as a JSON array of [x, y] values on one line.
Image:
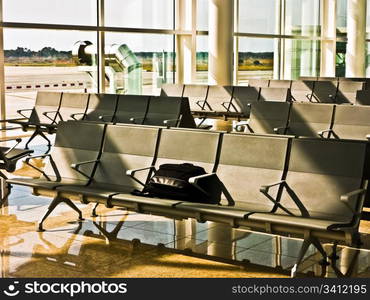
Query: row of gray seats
[[312, 90], [307, 187], [231, 101], [309, 120], [52, 107]]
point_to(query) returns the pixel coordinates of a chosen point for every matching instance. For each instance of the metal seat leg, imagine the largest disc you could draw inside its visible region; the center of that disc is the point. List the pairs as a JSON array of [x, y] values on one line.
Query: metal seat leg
[[56, 201]]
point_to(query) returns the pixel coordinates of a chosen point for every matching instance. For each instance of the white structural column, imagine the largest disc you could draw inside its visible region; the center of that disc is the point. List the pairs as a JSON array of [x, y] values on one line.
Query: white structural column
[[186, 41], [101, 48], [220, 40], [356, 35], [328, 38]]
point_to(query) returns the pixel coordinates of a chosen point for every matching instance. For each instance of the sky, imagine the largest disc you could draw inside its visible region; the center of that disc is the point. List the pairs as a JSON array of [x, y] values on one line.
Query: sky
[[256, 16]]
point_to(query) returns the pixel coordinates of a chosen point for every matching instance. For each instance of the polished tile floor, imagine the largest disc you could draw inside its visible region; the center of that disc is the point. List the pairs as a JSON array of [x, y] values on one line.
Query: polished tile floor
[[126, 244]]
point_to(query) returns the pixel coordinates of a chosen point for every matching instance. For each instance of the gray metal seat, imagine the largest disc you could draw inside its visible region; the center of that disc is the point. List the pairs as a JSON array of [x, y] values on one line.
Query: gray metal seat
[[351, 122], [170, 111], [347, 91], [258, 82], [172, 90], [268, 117], [102, 107], [310, 120], [125, 147], [301, 90], [246, 163], [72, 103], [325, 91], [197, 94], [75, 142], [243, 97], [219, 98], [323, 191], [275, 94], [39, 119], [130, 107]]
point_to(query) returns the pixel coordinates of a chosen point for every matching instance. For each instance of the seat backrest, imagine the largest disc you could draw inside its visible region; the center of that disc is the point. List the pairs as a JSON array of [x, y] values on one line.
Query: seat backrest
[[131, 106], [280, 83], [217, 95], [243, 96], [172, 90], [45, 102], [73, 103], [249, 161], [274, 94], [325, 91], [258, 82], [363, 97], [351, 122], [301, 90], [267, 115], [125, 147], [161, 109], [75, 142], [307, 119], [198, 147], [320, 171], [101, 105], [195, 93], [347, 91]]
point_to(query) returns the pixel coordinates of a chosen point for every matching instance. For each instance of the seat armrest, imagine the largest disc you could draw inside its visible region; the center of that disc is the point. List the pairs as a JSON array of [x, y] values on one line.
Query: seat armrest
[[27, 161], [368, 137], [196, 182], [134, 119], [321, 133], [352, 196], [131, 173], [167, 122], [55, 112], [265, 188], [277, 129], [20, 111], [73, 116], [105, 116], [17, 142], [242, 123], [76, 167], [15, 119]]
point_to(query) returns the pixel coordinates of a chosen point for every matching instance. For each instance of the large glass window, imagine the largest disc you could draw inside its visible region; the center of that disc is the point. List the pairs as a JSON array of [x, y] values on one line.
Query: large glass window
[[202, 59], [42, 60], [202, 14], [302, 17], [71, 12], [257, 16], [156, 14], [256, 58], [139, 63]]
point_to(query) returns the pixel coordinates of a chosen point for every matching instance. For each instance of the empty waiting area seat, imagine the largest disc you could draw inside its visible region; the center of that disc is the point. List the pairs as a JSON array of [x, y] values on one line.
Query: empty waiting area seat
[[325, 91], [347, 91], [197, 95], [267, 117], [301, 90], [130, 107], [310, 120], [172, 90], [38, 117], [351, 122], [100, 105]]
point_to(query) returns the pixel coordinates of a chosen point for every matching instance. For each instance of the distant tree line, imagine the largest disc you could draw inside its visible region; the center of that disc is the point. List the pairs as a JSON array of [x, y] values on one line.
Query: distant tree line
[[44, 52]]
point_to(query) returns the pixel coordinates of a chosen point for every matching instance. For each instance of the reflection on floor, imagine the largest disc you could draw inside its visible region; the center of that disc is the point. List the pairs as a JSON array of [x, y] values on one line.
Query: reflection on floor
[[123, 244]]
